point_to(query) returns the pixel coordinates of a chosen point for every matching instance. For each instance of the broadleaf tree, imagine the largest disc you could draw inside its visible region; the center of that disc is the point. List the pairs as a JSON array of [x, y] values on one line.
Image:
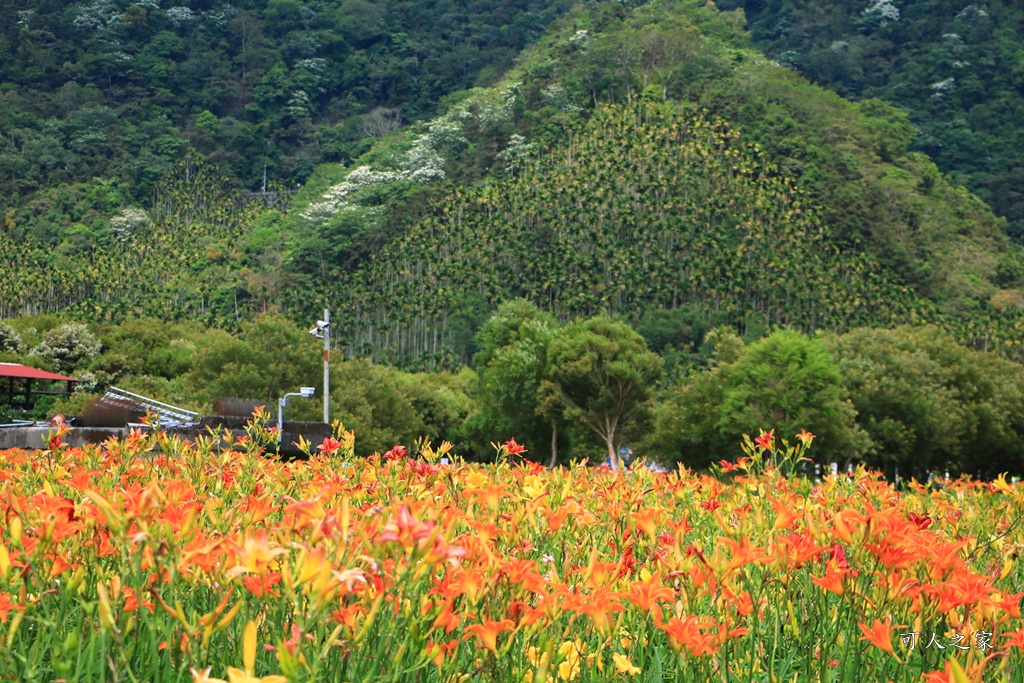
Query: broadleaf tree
[[511, 363], [601, 373]]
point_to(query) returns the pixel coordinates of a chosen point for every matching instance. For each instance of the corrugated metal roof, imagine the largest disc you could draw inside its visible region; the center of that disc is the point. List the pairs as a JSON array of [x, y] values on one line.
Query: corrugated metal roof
[[25, 372]]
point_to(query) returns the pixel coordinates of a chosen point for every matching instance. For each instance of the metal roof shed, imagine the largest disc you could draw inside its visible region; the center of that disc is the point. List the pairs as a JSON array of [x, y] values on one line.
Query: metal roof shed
[[15, 371]]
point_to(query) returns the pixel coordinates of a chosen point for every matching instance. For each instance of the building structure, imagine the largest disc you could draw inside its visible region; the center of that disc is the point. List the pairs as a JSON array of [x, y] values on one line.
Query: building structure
[[19, 383]]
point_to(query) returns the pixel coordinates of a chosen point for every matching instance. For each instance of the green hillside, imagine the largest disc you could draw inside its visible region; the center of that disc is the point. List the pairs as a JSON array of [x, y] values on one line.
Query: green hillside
[[956, 68], [99, 99], [573, 230], [648, 208], [637, 157]]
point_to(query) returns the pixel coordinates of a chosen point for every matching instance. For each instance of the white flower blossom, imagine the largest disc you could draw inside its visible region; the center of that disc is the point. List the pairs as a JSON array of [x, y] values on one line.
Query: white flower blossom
[[221, 16], [424, 162], [445, 133], [558, 97], [180, 16], [884, 10], [97, 15], [128, 221], [516, 154], [299, 105], [972, 12], [581, 37], [421, 164], [337, 197], [317, 65]]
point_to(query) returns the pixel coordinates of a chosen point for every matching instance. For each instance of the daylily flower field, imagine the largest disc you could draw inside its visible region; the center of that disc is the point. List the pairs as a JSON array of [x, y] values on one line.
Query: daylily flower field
[[152, 559]]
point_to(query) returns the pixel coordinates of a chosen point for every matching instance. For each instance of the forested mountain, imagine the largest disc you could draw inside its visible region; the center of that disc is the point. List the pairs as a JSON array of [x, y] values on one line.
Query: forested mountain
[[634, 163], [956, 67], [599, 196], [648, 208], [638, 156], [99, 99]]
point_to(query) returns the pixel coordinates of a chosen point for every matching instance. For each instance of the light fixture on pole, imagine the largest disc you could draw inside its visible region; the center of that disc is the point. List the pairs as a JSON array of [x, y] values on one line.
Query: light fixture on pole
[[323, 331], [304, 392]]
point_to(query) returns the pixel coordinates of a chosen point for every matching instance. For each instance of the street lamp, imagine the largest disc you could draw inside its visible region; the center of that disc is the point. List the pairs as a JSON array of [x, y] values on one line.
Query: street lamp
[[304, 392], [323, 331]]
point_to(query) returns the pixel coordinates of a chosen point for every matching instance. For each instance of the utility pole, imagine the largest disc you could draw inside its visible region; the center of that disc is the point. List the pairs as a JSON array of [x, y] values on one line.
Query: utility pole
[[327, 366], [323, 331]]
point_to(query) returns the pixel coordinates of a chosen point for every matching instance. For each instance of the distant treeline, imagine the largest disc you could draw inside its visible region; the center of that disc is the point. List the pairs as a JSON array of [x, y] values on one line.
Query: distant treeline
[[673, 390]]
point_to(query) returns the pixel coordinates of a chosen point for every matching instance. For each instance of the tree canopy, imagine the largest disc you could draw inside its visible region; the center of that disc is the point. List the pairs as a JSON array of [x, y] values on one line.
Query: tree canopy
[[601, 373]]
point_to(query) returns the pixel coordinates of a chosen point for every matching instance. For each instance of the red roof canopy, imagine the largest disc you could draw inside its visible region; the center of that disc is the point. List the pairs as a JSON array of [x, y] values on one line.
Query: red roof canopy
[[25, 372]]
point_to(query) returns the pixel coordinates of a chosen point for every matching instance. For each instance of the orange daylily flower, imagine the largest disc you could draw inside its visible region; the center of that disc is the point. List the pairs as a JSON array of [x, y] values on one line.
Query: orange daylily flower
[[257, 508], [487, 632], [766, 440], [691, 633], [785, 514], [841, 521], [743, 553], [833, 579], [743, 603], [952, 672], [490, 495], [599, 606], [448, 619], [513, 448], [330, 446], [646, 520], [256, 555], [405, 529], [6, 606], [469, 582], [726, 631], [1015, 639], [304, 513], [644, 595], [892, 554], [878, 634], [438, 652], [262, 585], [794, 550]]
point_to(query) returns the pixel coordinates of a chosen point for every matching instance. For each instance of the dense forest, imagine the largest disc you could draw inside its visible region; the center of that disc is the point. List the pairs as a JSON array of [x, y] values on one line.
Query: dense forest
[[119, 91], [956, 68], [908, 400], [223, 172]]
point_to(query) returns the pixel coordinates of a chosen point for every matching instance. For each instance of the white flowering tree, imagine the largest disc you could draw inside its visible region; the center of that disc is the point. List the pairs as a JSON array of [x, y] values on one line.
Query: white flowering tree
[[881, 13], [128, 221], [181, 16], [67, 347], [516, 154], [10, 340], [420, 161]]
